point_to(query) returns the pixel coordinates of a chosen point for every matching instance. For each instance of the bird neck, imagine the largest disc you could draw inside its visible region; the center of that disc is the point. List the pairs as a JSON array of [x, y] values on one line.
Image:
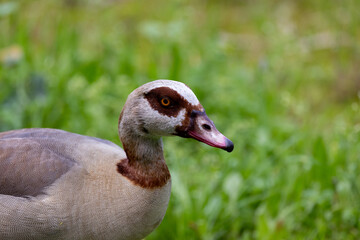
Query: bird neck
[[145, 164], [142, 150]]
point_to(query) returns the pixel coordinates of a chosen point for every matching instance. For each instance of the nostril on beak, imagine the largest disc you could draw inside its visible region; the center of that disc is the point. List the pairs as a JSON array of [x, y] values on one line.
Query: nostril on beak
[[206, 127]]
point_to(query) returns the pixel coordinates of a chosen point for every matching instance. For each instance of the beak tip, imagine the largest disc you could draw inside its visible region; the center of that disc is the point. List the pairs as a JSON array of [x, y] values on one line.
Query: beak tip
[[229, 146]]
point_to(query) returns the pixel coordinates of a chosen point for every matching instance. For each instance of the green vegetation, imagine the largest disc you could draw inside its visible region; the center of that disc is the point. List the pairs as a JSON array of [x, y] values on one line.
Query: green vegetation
[[279, 78]]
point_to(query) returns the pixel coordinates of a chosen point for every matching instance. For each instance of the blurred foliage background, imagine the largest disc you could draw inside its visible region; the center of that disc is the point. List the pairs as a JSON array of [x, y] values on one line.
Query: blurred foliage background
[[280, 78]]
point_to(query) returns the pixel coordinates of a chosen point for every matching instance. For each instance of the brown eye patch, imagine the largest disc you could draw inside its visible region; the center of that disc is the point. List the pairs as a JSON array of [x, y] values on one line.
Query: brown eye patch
[[166, 101]]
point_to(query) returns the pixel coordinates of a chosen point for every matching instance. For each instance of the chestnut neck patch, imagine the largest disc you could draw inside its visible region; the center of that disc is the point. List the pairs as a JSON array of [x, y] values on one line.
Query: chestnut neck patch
[[145, 169], [150, 175]]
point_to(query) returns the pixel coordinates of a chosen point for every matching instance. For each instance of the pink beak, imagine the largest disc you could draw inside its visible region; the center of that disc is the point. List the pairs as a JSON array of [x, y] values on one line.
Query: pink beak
[[203, 129]]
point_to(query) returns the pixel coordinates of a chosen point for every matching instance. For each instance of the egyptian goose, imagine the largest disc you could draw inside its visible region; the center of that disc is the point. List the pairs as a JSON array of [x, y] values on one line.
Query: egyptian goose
[[61, 185]]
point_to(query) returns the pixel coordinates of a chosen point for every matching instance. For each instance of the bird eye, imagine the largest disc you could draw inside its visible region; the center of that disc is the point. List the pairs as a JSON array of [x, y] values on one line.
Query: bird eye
[[165, 102]]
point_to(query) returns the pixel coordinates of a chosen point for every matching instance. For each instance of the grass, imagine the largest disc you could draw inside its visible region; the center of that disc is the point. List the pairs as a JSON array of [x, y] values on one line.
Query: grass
[[279, 78]]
